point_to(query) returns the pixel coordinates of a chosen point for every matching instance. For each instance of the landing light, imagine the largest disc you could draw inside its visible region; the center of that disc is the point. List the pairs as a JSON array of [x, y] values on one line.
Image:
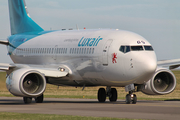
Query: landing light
[[61, 69], [132, 96]]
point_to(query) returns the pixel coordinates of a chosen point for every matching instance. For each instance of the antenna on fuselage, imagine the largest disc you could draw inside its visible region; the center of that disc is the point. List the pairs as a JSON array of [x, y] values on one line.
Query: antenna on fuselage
[[77, 27]]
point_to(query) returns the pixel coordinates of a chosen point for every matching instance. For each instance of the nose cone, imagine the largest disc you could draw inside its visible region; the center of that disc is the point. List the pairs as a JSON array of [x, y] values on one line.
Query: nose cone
[[146, 67], [150, 63]]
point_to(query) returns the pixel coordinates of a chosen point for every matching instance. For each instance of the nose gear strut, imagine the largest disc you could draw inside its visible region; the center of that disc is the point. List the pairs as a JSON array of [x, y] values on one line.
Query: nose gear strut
[[130, 98]]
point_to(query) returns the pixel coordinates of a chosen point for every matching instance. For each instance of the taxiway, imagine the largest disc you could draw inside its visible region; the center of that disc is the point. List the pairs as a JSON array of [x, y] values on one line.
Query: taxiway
[[165, 110]]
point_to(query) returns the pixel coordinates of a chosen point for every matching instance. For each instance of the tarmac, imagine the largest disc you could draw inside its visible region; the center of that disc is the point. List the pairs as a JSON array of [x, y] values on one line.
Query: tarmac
[[161, 110]]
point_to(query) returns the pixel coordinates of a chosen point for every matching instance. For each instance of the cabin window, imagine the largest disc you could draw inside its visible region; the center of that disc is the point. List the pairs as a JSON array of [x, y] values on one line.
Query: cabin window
[[59, 50], [73, 51], [49, 50], [65, 50], [87, 50], [93, 51], [90, 51], [79, 50], [84, 50], [70, 50]]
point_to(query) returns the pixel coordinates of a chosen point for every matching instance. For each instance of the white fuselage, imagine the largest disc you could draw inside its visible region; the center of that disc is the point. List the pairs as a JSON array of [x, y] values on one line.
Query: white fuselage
[[93, 57]]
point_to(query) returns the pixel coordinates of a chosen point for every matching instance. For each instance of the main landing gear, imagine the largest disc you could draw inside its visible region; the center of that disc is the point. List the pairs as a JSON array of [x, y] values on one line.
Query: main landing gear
[[109, 92], [112, 94], [28, 100]]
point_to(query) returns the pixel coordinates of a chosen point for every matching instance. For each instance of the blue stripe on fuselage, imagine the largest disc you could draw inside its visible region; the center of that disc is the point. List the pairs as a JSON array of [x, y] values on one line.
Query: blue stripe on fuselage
[[18, 39]]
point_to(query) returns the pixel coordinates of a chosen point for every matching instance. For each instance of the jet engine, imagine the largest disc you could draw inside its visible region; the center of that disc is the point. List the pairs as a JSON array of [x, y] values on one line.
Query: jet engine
[[26, 82], [163, 82]]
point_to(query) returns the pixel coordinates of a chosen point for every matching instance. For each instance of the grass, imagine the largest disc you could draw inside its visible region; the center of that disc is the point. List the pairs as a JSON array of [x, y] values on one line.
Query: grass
[[53, 91], [25, 116]]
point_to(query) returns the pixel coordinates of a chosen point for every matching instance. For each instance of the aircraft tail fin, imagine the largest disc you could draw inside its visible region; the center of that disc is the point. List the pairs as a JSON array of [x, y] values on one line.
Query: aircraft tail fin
[[20, 20]]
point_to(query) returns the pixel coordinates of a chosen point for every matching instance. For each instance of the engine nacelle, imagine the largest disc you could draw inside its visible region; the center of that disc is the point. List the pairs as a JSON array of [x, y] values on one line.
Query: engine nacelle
[[163, 82], [26, 82]]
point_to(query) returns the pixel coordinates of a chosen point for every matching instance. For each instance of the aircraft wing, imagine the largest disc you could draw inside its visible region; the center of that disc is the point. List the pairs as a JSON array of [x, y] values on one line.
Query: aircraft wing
[[6, 67], [4, 42], [172, 64], [52, 72], [47, 71]]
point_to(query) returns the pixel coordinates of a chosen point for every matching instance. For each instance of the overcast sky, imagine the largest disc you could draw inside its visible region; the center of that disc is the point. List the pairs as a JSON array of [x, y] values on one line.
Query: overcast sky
[[156, 20]]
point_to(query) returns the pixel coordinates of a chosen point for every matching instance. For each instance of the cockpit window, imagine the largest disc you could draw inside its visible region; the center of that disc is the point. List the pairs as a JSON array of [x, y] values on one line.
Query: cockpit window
[[127, 49], [124, 49], [148, 48], [136, 48]]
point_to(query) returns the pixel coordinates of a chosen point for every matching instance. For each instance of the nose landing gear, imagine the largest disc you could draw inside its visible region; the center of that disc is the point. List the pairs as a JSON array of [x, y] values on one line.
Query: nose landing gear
[[131, 98]]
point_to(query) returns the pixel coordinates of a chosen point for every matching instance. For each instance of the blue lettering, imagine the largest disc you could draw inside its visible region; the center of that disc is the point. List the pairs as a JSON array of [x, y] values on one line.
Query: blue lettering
[[80, 41], [98, 41], [84, 42], [89, 41]]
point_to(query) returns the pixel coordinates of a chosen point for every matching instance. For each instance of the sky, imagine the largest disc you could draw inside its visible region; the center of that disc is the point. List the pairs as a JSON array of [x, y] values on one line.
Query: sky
[[156, 20]]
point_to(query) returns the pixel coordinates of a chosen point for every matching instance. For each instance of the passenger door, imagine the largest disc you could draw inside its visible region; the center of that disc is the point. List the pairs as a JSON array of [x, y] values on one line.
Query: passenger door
[[105, 52]]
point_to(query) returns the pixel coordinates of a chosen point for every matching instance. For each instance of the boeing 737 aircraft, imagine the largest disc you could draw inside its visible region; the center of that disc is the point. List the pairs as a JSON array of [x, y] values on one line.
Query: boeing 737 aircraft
[[81, 58]]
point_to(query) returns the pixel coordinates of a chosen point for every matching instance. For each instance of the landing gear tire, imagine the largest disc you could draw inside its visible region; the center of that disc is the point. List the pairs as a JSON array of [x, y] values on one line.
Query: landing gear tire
[[27, 100], [113, 95], [128, 99], [101, 95], [134, 99], [131, 98], [39, 99]]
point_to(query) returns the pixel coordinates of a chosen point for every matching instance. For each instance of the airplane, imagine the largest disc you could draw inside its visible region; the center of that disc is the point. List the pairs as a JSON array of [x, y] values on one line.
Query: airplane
[[81, 58]]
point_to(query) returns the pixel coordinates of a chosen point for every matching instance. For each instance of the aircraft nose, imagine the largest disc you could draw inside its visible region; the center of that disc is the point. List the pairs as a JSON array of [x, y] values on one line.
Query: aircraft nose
[[147, 67], [150, 63]]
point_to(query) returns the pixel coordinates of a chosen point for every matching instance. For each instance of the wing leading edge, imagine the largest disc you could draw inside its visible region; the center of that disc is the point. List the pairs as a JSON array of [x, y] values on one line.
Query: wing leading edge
[[46, 71], [172, 64]]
